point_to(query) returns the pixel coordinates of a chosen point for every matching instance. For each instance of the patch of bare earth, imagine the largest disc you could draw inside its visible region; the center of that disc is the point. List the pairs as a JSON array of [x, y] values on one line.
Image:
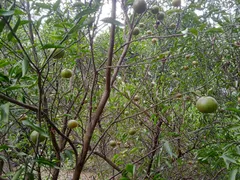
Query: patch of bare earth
[[67, 175]]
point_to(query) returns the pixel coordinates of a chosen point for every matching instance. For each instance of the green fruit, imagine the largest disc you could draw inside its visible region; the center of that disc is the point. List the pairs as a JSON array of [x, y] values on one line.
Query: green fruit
[[58, 54], [188, 56], [178, 95], [185, 68], [113, 143], [207, 104], [139, 6], [136, 98], [141, 25], [35, 136], [195, 63], [132, 131], [154, 40], [136, 31], [174, 74], [149, 32], [160, 16], [172, 26], [155, 9], [72, 124], [66, 73], [176, 3]]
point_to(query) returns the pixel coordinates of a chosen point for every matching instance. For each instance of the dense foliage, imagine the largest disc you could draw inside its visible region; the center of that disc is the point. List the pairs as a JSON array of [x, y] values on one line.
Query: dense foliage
[[116, 96]]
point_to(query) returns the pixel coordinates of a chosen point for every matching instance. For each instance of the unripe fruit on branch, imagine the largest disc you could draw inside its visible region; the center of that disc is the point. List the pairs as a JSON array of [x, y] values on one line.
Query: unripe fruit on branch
[[207, 104], [139, 6], [154, 40], [35, 136], [58, 54], [176, 3], [72, 124], [160, 16], [155, 9], [136, 31], [113, 143], [66, 73]]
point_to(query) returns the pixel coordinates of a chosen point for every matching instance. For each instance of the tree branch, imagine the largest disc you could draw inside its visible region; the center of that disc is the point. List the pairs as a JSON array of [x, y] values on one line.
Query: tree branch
[[9, 99]]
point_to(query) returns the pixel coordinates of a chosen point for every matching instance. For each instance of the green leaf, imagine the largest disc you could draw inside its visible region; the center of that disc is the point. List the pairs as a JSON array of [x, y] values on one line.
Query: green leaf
[[5, 112], [25, 64], [2, 25], [43, 5], [215, 30], [130, 168], [112, 21], [5, 146], [14, 87], [19, 12], [193, 31], [233, 174], [233, 109], [167, 147], [228, 160], [124, 178], [35, 127], [3, 158], [3, 78], [78, 26], [49, 46], [45, 162], [169, 12], [18, 174], [84, 12], [4, 62], [10, 34], [56, 5], [6, 13], [24, 22]]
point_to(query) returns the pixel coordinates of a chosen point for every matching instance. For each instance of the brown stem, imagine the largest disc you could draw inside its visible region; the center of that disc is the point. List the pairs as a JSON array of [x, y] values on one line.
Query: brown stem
[[154, 148], [107, 160], [92, 124], [6, 98]]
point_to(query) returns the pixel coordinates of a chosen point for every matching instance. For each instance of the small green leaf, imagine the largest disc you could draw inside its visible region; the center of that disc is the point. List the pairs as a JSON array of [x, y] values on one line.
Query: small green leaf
[[6, 13], [56, 5], [167, 147], [112, 21], [49, 46], [45, 162], [193, 31], [129, 168], [215, 30], [43, 5], [25, 64], [19, 12], [3, 158], [228, 160], [233, 174], [18, 174], [5, 146], [10, 34], [84, 12], [124, 178], [24, 22], [2, 24], [14, 87], [35, 127], [3, 78], [5, 112]]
